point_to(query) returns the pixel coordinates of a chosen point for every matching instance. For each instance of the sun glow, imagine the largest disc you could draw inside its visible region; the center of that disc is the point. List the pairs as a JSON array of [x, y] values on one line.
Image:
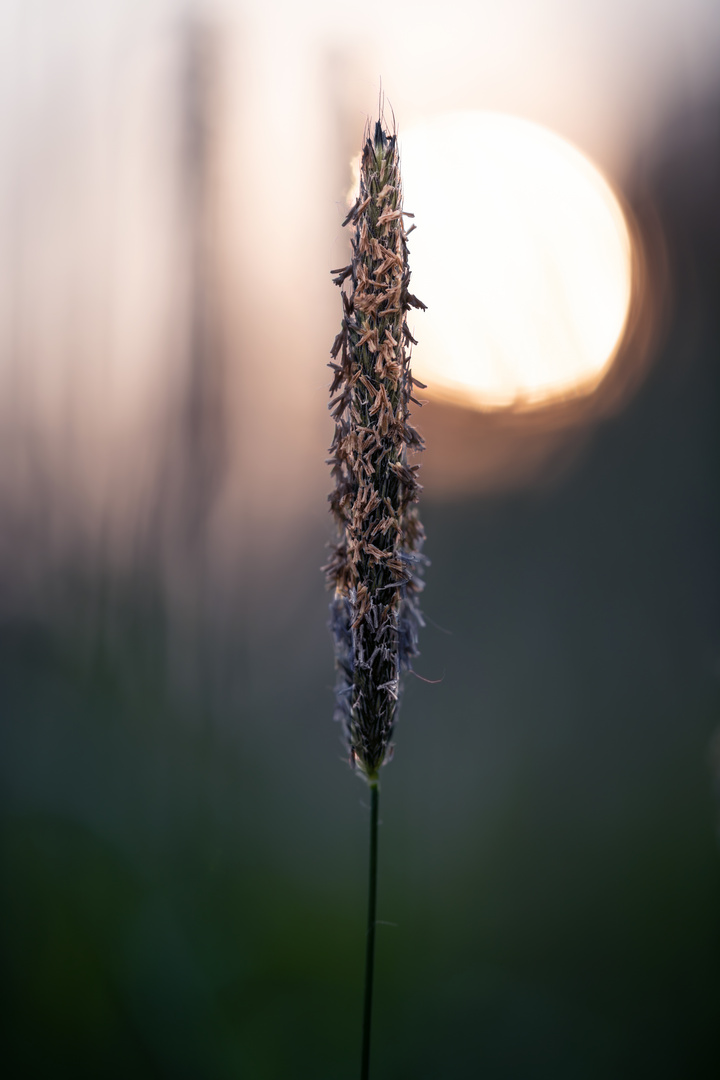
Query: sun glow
[[523, 256]]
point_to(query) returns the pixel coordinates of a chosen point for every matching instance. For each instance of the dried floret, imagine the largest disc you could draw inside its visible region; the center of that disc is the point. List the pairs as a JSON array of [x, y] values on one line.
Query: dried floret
[[375, 566]]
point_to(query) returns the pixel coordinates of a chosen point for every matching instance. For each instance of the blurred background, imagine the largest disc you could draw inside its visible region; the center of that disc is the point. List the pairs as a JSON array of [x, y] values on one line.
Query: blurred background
[[183, 846]]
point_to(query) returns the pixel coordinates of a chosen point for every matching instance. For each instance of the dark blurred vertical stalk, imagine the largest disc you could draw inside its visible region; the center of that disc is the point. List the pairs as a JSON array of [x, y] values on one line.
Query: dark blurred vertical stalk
[[196, 451], [202, 420]]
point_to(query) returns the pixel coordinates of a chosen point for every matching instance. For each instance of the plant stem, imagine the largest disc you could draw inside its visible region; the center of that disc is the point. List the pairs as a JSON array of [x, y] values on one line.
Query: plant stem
[[370, 940]]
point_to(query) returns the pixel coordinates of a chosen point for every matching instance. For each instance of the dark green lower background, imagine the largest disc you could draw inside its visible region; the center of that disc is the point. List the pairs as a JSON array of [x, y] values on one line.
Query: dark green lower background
[[184, 874]]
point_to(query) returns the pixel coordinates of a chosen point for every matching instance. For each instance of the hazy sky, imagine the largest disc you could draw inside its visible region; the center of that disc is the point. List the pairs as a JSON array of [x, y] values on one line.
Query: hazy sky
[[598, 71], [92, 292]]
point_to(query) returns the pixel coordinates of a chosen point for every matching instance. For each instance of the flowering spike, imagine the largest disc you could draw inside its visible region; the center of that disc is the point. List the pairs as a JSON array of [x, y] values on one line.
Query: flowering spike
[[375, 565]]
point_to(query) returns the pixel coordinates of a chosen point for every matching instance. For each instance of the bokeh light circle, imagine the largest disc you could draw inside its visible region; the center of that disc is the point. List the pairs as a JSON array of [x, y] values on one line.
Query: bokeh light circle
[[523, 256]]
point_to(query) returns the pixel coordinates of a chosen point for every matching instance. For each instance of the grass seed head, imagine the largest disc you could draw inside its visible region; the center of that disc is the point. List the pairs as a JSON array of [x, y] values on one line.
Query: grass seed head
[[375, 566]]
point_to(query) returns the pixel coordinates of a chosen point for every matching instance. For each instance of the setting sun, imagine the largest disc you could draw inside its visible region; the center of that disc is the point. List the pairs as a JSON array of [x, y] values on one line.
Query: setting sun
[[523, 256]]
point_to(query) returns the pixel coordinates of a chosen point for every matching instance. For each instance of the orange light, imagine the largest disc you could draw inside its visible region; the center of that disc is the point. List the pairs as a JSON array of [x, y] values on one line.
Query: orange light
[[523, 256]]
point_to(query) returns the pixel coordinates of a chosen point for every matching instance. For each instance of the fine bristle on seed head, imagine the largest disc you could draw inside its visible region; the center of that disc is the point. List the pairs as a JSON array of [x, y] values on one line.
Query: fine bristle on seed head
[[375, 566]]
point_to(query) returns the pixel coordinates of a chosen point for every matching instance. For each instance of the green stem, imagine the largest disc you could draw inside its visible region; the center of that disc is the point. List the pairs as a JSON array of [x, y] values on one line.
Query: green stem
[[370, 940]]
